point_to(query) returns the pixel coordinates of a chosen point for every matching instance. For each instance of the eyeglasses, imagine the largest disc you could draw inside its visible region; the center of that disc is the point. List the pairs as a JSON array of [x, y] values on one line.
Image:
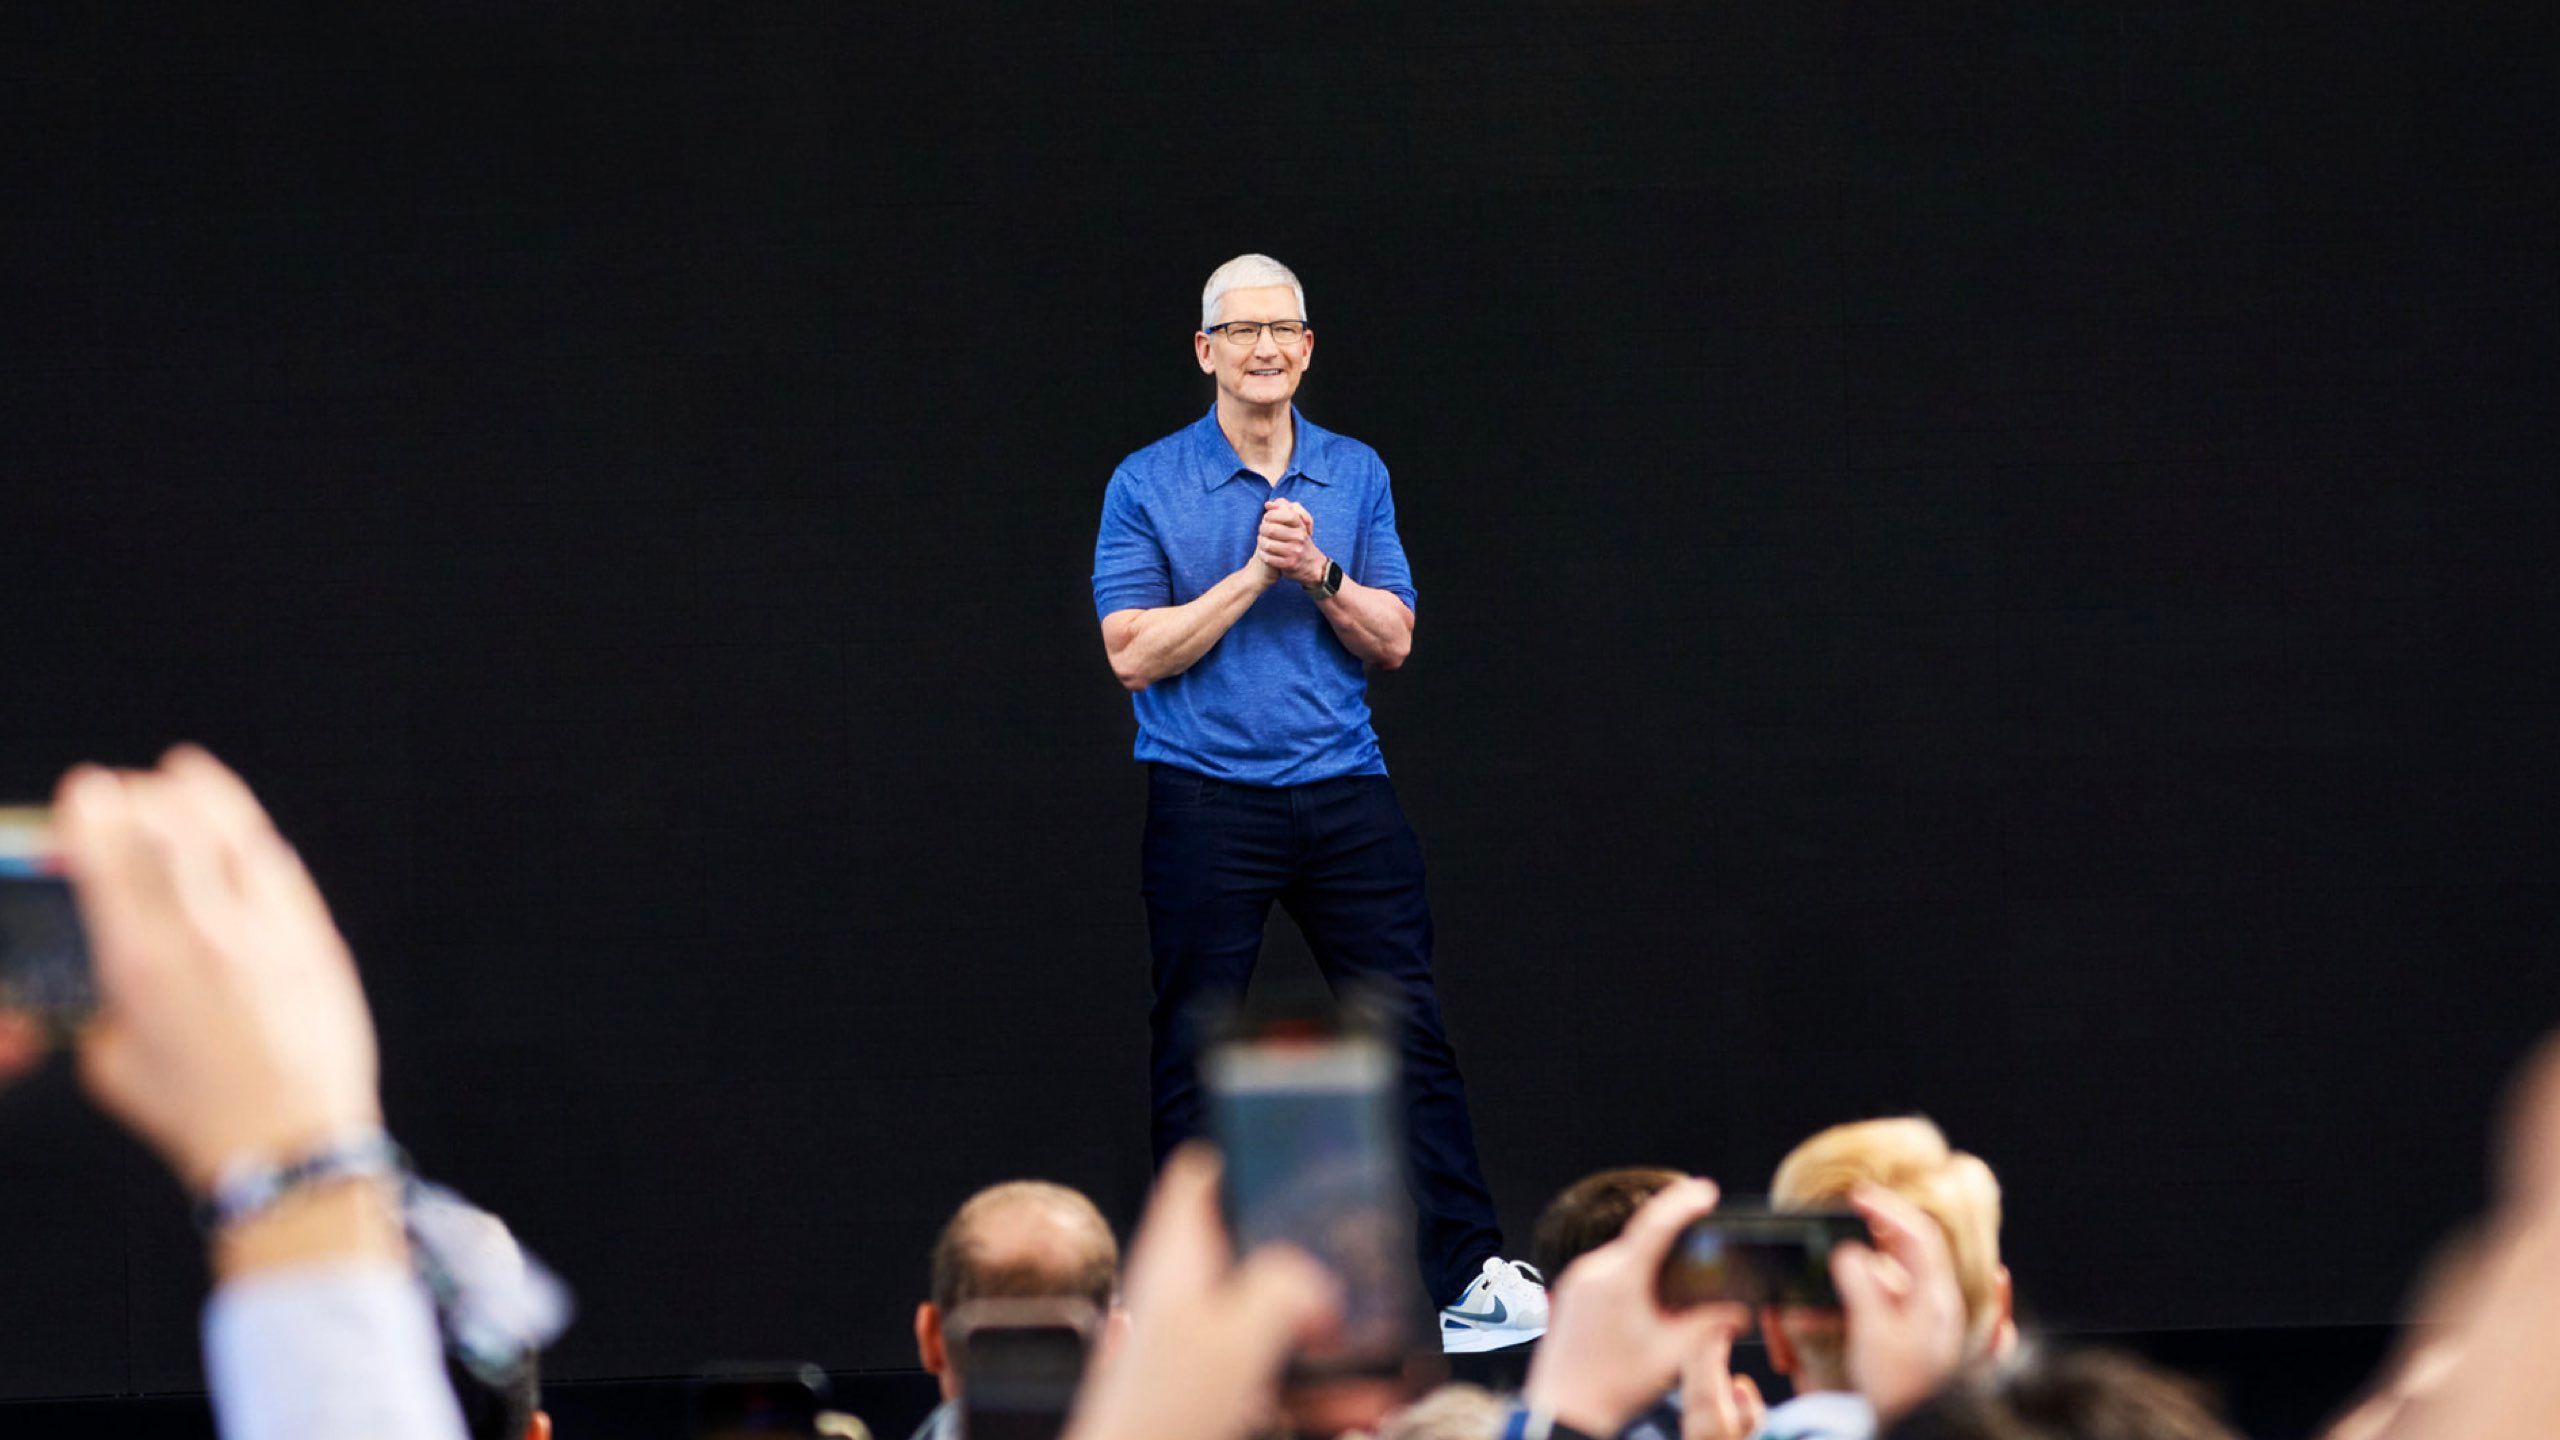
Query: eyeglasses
[[1246, 332]]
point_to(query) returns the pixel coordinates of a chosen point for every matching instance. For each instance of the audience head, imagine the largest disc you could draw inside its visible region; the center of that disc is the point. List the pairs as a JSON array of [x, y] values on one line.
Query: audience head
[[1022, 1240], [1451, 1412], [1910, 1157], [1590, 1212], [2084, 1395]]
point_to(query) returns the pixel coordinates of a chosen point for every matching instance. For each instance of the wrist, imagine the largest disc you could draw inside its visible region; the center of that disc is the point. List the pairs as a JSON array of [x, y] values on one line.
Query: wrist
[[354, 1218], [1326, 582]]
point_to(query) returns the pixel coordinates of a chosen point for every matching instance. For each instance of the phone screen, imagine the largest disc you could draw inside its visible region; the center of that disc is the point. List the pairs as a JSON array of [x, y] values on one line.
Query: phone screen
[[1017, 1382], [1756, 1257], [1309, 1119], [44, 955]]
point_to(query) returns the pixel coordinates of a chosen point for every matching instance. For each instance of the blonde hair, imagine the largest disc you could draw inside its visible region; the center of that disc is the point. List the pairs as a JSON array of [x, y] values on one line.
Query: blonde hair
[[1457, 1411], [1910, 1156]]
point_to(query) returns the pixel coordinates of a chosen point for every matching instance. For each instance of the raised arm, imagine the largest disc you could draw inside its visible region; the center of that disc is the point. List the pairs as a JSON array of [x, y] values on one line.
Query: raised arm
[[232, 1037]]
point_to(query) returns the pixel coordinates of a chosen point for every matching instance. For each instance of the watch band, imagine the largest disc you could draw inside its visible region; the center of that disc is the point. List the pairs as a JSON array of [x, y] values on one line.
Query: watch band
[[1330, 585]]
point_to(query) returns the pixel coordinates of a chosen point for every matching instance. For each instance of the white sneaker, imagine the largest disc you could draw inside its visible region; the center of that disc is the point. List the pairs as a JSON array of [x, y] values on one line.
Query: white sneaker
[[1506, 1305]]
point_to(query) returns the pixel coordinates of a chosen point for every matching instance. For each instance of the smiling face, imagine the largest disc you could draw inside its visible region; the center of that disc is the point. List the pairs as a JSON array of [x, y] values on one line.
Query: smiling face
[[1264, 372]]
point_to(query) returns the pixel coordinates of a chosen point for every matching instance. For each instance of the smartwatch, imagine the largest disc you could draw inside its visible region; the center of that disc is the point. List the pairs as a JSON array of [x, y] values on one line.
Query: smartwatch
[[1330, 585]]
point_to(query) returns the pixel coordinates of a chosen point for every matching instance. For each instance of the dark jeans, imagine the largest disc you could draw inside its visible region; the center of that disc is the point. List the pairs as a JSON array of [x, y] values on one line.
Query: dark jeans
[[1340, 857]]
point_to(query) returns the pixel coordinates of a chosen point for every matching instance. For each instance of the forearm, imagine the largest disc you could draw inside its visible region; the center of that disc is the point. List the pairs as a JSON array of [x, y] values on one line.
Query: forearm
[[339, 1222], [317, 1330], [1372, 624], [1151, 645]]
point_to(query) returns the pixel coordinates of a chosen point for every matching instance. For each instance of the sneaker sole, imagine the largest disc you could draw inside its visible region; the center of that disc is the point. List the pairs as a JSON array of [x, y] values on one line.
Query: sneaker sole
[[1477, 1342]]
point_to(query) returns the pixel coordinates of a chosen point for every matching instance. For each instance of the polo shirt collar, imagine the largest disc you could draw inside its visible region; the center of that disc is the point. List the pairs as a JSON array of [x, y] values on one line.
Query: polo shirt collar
[[1216, 462]]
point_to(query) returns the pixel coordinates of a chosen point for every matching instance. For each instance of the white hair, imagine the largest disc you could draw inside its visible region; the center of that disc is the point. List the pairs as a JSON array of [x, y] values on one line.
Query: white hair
[[1247, 272]]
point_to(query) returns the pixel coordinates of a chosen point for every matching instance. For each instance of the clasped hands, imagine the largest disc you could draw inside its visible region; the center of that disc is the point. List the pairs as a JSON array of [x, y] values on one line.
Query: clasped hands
[[1285, 546]]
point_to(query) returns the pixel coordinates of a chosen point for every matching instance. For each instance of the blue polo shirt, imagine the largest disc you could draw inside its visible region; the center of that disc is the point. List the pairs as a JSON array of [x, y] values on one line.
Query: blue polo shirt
[[1278, 700]]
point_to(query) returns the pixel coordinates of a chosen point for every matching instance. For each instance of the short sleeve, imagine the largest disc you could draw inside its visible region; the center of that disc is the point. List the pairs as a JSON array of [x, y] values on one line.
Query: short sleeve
[[1129, 567], [1382, 550]]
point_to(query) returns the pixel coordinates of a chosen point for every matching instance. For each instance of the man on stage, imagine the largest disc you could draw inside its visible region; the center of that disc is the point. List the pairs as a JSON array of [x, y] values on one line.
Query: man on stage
[[1247, 570]]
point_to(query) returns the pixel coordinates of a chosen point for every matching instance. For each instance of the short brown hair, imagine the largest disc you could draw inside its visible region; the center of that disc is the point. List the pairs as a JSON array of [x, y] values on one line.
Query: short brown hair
[[1085, 1266], [1590, 1212]]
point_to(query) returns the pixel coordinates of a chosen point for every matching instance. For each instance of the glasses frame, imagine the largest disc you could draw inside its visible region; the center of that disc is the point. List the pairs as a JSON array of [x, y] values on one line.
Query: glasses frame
[[1228, 329]]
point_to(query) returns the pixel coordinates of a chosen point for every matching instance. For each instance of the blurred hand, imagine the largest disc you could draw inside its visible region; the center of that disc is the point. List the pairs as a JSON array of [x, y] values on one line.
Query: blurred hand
[[1715, 1403], [1207, 1337], [22, 1044], [1610, 1348], [230, 1023], [2480, 1363], [1286, 542], [1906, 1318]]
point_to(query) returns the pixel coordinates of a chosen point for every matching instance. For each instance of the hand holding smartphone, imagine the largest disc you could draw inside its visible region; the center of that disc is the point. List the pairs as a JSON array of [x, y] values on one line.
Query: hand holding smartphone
[[1307, 1109]]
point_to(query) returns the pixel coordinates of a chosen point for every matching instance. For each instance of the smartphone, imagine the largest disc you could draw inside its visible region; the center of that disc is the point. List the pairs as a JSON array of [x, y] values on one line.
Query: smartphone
[[1307, 1107], [1754, 1256], [757, 1402], [44, 955], [1020, 1363]]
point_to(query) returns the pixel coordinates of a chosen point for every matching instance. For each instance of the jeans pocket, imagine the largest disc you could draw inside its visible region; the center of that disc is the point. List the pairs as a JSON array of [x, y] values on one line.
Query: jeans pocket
[[1171, 785]]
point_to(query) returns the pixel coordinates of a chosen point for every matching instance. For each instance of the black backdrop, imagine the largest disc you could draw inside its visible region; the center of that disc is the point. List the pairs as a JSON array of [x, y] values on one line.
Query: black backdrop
[[1974, 557]]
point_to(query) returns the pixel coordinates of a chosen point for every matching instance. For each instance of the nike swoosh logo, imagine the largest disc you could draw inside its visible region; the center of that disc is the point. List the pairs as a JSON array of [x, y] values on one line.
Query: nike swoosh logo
[[1499, 1313]]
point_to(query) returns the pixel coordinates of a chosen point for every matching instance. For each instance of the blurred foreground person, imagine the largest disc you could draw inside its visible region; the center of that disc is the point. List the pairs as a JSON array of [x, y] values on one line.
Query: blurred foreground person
[[2479, 1361], [1022, 1240], [1208, 1335], [1613, 1348], [2087, 1395], [232, 1037], [1910, 1157], [1710, 1402]]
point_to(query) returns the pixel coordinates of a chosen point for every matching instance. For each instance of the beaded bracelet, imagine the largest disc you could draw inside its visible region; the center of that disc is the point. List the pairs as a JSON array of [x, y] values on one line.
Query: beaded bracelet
[[249, 1188]]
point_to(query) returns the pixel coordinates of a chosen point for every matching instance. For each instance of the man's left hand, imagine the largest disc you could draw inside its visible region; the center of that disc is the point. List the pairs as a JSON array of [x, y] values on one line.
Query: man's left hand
[[1287, 542]]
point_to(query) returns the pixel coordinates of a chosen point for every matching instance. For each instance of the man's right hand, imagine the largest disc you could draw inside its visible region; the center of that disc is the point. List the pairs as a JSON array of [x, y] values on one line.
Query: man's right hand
[[1284, 546], [1906, 1314], [1611, 1349], [230, 1025], [1207, 1336]]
